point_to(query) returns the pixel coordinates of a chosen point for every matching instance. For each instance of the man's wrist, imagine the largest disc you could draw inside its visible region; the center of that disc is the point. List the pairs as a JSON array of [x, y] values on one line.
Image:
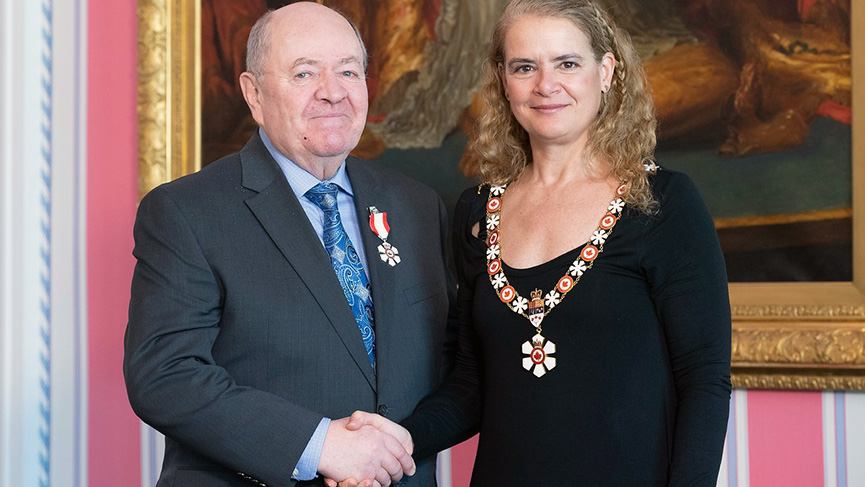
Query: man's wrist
[[307, 466]]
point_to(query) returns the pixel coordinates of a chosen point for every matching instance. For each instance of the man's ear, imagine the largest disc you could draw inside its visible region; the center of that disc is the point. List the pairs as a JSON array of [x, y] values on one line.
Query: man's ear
[[252, 94]]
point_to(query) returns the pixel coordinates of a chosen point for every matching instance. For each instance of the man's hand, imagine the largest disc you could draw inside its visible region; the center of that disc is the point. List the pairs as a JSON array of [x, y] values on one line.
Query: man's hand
[[359, 420], [365, 452]]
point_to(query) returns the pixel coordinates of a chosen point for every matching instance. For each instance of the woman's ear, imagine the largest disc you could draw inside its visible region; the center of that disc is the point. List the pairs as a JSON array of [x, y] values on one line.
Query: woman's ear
[[501, 70], [607, 68]]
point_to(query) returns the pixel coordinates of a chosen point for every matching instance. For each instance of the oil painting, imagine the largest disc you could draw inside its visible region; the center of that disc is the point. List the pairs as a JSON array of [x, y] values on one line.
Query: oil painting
[[754, 100]]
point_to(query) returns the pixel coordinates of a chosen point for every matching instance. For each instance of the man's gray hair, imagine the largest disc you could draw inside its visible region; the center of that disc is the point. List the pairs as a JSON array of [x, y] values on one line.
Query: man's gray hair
[[258, 44]]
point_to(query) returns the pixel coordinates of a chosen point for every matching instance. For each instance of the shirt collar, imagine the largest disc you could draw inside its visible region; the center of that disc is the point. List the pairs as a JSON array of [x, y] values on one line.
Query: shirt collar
[[299, 178]]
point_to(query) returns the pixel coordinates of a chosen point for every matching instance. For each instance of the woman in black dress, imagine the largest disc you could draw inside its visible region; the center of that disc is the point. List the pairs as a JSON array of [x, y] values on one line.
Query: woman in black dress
[[594, 315]]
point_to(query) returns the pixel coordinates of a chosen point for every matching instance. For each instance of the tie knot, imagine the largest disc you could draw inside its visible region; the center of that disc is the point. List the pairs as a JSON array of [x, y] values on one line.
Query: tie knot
[[323, 195]]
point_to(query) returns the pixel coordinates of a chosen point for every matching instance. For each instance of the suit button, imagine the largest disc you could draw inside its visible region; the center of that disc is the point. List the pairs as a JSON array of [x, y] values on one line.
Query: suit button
[[382, 410]]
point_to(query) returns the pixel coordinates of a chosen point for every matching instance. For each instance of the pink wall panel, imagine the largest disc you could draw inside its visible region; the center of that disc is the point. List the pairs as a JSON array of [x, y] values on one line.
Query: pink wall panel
[[785, 436], [113, 430], [462, 460]]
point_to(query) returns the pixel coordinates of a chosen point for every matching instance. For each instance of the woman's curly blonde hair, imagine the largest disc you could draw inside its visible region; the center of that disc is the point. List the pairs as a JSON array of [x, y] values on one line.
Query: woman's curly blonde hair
[[623, 134]]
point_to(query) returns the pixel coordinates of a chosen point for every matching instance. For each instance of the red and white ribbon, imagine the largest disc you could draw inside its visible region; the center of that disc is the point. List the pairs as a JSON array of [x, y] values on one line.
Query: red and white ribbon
[[378, 224]]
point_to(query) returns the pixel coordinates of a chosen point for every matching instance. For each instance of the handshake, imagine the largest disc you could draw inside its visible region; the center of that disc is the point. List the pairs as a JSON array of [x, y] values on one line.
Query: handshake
[[365, 450]]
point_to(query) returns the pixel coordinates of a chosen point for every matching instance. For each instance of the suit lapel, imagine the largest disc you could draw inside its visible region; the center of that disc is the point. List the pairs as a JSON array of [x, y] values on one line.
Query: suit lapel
[[277, 209], [368, 192]]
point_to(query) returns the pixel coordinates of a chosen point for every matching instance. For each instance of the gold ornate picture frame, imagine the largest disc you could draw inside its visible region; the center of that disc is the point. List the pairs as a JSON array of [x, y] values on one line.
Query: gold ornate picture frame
[[169, 97], [804, 335]]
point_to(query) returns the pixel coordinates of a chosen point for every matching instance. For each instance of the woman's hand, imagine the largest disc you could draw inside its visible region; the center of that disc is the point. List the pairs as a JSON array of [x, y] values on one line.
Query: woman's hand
[[351, 482], [358, 419]]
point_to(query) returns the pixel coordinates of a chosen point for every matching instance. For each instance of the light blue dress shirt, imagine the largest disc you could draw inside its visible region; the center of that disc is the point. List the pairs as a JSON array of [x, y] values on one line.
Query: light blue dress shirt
[[302, 181]]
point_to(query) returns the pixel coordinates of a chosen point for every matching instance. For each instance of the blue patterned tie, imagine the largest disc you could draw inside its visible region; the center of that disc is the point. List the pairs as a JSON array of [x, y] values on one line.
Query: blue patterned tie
[[346, 263]]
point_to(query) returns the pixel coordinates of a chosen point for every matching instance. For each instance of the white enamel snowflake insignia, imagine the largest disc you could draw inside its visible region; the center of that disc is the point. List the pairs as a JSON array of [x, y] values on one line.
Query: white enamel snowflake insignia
[[577, 268], [492, 222], [493, 251], [616, 205], [520, 304], [389, 254], [499, 280], [552, 299], [599, 237], [539, 355], [497, 190]]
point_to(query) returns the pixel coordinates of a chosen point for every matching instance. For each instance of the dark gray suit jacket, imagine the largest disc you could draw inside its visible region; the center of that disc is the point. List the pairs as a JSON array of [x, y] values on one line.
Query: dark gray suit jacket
[[240, 338]]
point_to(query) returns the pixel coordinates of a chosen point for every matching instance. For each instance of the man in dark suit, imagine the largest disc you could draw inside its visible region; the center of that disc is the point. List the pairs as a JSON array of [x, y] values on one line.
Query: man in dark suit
[[288, 284]]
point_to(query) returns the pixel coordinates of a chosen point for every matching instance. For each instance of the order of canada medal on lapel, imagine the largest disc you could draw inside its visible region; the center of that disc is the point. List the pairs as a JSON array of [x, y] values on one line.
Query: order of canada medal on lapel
[[379, 226]]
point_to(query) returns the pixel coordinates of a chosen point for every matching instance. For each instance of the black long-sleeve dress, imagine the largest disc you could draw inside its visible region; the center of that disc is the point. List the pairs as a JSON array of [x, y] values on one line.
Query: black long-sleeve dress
[[640, 392]]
